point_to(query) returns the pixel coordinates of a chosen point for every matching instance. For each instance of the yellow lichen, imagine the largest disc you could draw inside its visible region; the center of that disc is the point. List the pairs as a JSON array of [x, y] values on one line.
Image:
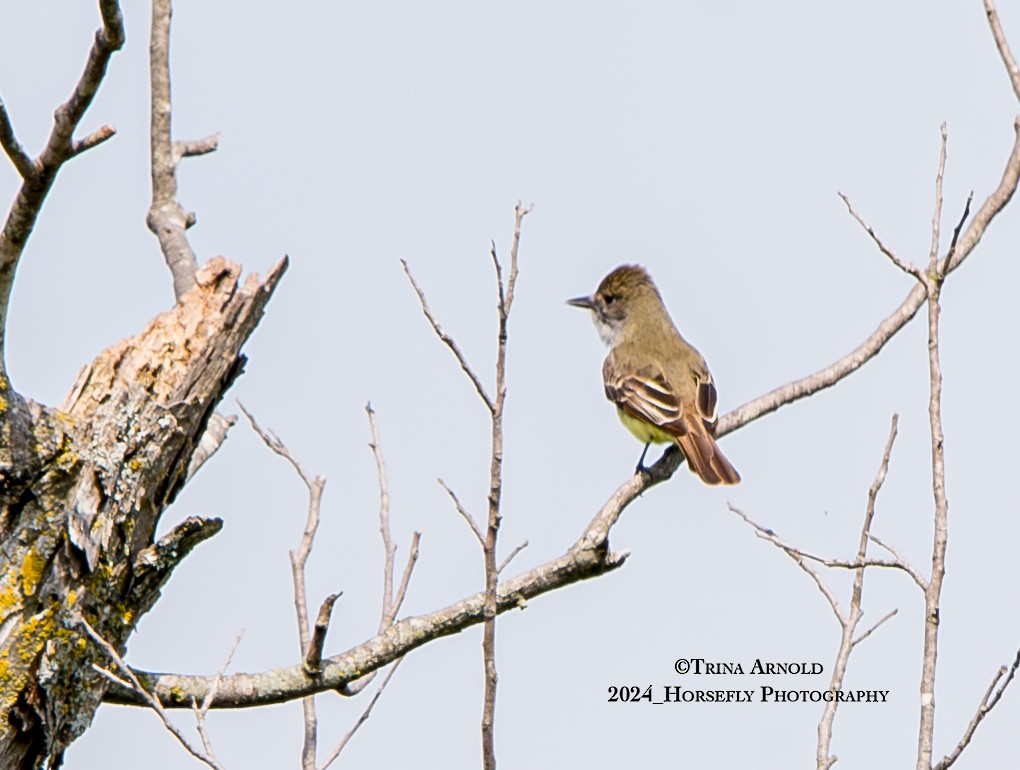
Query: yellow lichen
[[32, 635], [10, 599], [32, 567]]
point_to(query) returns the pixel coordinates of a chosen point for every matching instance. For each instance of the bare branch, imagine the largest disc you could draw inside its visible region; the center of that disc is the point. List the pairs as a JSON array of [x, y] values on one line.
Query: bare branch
[[38, 175], [857, 564], [298, 559], [412, 558], [499, 275], [800, 558], [212, 439], [506, 299], [195, 147], [987, 704], [167, 220], [384, 517], [995, 203], [97, 137], [919, 579], [933, 589], [506, 294], [150, 700], [201, 711], [313, 658], [936, 219], [823, 758], [830, 375], [888, 616], [21, 160], [274, 443], [363, 718], [959, 226], [207, 701], [588, 557], [391, 603], [1000, 42], [447, 339], [511, 556], [463, 512], [905, 267]]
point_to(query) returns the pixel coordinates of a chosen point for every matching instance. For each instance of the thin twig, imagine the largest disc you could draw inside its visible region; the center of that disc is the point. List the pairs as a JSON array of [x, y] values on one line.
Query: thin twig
[[167, 220], [298, 560], [201, 711], [984, 707], [398, 600], [448, 340], [919, 579], [936, 218], [8, 140], [823, 757], [463, 512], [384, 515], [888, 616], [97, 137], [1000, 42], [313, 658], [904, 266], [191, 148], [959, 226], [277, 446], [933, 591], [510, 557], [511, 282], [499, 275], [835, 372], [391, 602], [150, 700], [364, 716], [799, 558], [506, 295], [848, 621], [857, 564], [38, 175]]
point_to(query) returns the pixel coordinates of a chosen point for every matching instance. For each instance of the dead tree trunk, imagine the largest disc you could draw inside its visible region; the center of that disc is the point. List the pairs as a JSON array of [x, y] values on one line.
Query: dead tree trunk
[[82, 488]]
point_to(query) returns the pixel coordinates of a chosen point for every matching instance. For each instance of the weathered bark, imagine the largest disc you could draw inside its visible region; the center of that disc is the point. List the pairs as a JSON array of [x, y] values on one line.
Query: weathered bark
[[82, 488]]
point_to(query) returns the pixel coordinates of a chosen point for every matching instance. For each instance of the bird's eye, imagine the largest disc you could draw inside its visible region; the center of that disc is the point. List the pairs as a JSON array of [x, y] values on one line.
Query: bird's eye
[[609, 299]]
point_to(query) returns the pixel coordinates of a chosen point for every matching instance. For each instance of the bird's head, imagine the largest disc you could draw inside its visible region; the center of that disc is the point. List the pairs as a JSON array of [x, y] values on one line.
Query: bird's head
[[624, 293]]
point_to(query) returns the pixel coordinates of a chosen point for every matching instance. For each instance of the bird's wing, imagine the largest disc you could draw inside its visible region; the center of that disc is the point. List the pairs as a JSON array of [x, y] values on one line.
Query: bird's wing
[[705, 399], [646, 395]]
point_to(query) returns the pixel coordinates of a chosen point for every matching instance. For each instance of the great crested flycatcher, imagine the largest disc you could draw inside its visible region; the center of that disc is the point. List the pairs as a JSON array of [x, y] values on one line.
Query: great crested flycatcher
[[660, 384]]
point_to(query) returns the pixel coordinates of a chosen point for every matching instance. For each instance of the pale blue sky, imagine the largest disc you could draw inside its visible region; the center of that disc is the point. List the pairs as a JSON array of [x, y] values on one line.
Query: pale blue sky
[[705, 141]]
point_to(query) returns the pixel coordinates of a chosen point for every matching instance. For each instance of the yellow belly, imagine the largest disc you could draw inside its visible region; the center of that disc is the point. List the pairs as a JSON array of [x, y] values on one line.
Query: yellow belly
[[643, 431]]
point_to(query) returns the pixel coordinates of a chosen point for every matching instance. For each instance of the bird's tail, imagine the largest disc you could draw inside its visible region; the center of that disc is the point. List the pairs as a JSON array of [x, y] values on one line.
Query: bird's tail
[[705, 458]]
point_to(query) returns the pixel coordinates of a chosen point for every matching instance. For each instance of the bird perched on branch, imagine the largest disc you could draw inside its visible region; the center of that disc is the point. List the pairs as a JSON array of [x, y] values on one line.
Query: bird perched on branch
[[660, 384]]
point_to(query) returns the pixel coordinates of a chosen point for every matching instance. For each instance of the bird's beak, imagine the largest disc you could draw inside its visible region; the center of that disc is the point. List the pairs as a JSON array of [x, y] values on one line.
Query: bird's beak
[[584, 302]]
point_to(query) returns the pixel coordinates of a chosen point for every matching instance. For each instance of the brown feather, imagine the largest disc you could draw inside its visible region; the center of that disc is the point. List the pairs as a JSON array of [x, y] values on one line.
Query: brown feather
[[705, 458]]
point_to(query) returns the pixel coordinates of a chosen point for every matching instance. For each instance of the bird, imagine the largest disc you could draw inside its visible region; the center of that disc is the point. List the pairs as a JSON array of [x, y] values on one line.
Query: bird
[[660, 384]]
